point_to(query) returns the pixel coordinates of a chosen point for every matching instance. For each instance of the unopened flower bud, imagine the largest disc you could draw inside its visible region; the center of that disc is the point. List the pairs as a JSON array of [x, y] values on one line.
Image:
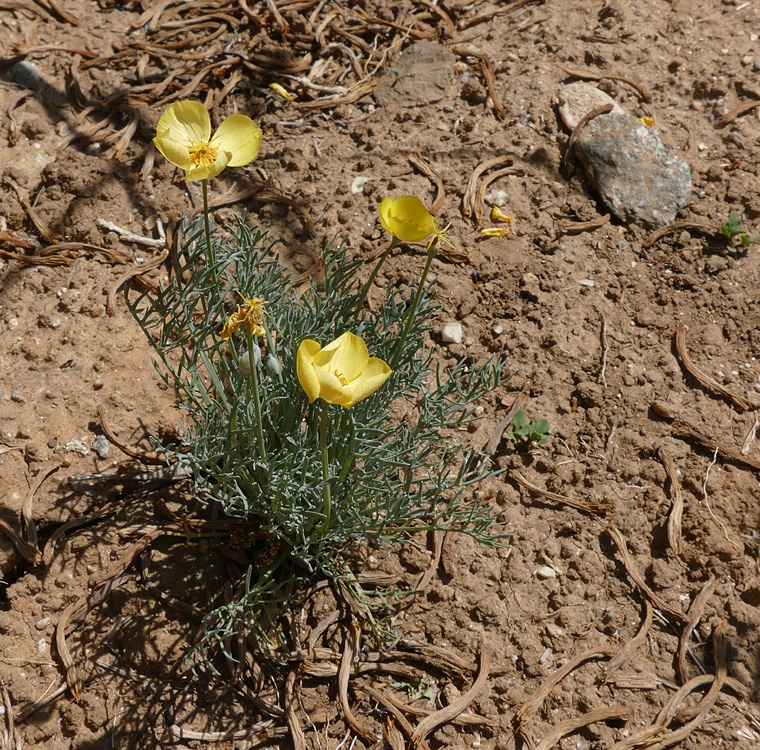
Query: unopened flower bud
[[244, 363]]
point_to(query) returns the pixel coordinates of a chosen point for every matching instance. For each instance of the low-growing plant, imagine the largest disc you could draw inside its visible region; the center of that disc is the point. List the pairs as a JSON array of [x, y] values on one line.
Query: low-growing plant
[[316, 421], [738, 241], [532, 432]]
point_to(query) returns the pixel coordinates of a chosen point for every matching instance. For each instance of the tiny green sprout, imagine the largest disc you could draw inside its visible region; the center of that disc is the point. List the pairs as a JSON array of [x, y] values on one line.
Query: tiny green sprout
[[417, 689], [532, 432], [737, 240]]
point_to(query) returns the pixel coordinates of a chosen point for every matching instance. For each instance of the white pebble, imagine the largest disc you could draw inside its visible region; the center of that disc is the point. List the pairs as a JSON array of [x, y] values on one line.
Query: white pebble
[[452, 333], [546, 571], [357, 186]]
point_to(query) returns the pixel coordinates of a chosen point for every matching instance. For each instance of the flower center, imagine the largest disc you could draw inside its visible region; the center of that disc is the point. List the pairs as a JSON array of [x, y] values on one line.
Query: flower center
[[202, 153], [341, 377]]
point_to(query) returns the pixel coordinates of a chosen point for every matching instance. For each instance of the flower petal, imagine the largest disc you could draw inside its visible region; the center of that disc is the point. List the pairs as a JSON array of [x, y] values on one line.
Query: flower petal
[[384, 209], [180, 126], [372, 377], [241, 137], [206, 171], [346, 356], [307, 374], [410, 220], [330, 388]]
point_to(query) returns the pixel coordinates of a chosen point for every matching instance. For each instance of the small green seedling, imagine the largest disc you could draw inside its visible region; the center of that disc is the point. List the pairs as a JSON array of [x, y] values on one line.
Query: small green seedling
[[737, 240], [532, 432]]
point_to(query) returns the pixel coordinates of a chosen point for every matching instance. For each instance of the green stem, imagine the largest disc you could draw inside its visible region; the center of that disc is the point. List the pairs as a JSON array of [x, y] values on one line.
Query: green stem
[[256, 402], [365, 289], [327, 506], [210, 259], [432, 249]]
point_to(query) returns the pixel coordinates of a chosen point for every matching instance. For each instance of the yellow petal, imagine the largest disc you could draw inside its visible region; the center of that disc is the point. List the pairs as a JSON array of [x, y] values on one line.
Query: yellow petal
[[648, 121], [496, 232], [205, 172], [180, 126], [372, 377], [307, 374], [406, 218], [240, 136], [347, 356], [283, 92], [498, 215], [384, 209], [330, 387]]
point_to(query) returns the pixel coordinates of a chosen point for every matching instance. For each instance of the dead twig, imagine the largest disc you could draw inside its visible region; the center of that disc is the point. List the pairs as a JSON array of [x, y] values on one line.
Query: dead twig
[[131, 274], [466, 23], [639, 581], [681, 429], [595, 509], [419, 163], [296, 732], [148, 457], [677, 226], [470, 206], [739, 401], [631, 646], [676, 509], [576, 227], [489, 75], [528, 710], [588, 75], [256, 734], [657, 736], [496, 436], [742, 109], [592, 717], [578, 129], [27, 551], [27, 522], [350, 652], [694, 615], [446, 714]]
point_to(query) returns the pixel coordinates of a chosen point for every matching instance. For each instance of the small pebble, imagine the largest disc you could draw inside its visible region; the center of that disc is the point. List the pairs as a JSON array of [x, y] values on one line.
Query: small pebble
[[544, 656], [546, 571], [17, 397], [452, 333], [587, 282], [42, 624], [357, 186], [497, 330], [41, 645], [100, 446]]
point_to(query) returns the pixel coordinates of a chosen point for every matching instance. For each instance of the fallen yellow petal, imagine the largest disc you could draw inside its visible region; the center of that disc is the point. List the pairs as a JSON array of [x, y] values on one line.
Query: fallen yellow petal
[[648, 121], [282, 91], [498, 215], [496, 232]]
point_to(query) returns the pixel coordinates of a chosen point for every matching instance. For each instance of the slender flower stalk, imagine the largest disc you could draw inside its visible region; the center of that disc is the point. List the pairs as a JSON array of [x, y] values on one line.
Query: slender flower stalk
[[432, 249], [326, 499], [365, 289], [256, 401], [210, 259]]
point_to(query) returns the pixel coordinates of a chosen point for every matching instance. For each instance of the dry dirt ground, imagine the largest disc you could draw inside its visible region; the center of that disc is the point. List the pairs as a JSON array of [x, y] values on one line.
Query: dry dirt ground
[[587, 319]]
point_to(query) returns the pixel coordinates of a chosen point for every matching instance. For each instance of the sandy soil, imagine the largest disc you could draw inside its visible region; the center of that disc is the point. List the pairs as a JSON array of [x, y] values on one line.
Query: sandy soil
[[588, 320]]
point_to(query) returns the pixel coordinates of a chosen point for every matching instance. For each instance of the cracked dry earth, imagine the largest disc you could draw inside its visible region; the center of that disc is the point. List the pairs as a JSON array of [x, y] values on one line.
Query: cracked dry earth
[[587, 315]]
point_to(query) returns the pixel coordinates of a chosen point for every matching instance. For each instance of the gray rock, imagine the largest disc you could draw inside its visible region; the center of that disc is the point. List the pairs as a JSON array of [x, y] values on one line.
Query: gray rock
[[422, 75], [100, 446], [639, 178]]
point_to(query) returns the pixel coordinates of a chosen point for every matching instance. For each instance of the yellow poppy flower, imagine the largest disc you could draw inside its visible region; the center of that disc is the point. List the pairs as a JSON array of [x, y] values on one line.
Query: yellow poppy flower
[[340, 373], [183, 136], [407, 218]]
